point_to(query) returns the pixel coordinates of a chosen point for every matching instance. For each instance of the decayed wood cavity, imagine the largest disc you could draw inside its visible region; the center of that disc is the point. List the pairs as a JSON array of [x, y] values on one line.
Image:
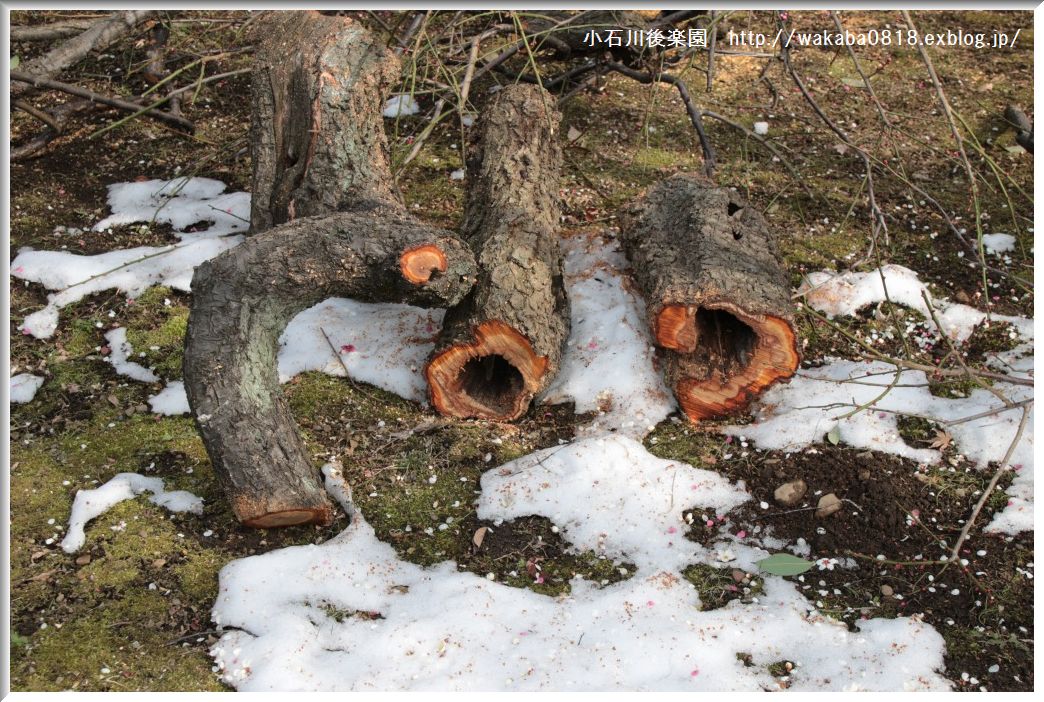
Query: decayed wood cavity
[[718, 300]]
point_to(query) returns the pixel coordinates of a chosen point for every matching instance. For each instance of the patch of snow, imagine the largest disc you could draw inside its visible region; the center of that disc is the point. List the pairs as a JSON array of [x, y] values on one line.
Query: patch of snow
[[384, 344], [457, 174], [609, 495], [400, 106], [608, 364], [847, 293], [180, 202], [761, 128], [24, 387], [790, 417], [90, 504], [998, 243], [171, 400], [120, 354], [440, 629], [338, 487], [468, 120]]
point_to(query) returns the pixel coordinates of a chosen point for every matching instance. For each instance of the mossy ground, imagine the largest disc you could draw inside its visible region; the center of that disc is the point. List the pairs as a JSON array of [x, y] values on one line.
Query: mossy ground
[[131, 610]]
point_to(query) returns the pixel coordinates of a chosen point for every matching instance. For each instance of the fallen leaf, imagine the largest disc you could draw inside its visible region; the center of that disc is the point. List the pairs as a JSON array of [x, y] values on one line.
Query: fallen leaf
[[83, 560], [573, 134], [480, 534], [942, 440]]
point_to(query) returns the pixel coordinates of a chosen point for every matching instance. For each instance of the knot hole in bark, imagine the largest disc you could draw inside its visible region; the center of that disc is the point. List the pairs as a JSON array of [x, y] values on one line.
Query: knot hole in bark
[[734, 210], [492, 382]]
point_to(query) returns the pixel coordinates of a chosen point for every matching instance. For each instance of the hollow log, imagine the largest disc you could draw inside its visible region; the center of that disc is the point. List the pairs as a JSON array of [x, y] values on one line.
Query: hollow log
[[316, 133], [718, 298], [242, 301], [503, 344]]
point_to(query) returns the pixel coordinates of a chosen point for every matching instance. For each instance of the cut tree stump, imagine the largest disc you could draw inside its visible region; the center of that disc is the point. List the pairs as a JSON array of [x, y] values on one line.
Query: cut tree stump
[[242, 301], [503, 344], [319, 148], [718, 298], [316, 133]]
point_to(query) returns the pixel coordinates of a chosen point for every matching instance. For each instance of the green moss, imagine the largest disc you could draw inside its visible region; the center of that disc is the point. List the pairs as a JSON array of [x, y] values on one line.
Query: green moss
[[681, 441], [98, 651], [915, 430], [717, 586]]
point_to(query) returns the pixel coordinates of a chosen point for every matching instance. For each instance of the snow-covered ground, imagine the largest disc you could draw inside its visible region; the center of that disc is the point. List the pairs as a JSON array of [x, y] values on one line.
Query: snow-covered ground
[[438, 628]]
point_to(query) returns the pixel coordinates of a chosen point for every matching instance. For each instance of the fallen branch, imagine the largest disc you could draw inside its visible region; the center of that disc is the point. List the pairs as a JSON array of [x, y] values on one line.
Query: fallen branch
[[683, 91], [146, 111], [717, 297], [48, 32], [955, 553], [98, 36], [503, 344]]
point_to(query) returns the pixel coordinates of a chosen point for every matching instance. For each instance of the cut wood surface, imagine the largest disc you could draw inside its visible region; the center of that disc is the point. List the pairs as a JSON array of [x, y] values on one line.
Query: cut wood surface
[[503, 344], [718, 299], [241, 303], [316, 134]]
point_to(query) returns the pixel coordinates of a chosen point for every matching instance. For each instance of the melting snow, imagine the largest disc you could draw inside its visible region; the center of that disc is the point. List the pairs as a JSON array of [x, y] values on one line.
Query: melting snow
[[134, 270], [608, 365], [383, 344], [998, 243], [123, 486], [171, 400], [24, 387], [845, 294], [120, 354], [400, 105]]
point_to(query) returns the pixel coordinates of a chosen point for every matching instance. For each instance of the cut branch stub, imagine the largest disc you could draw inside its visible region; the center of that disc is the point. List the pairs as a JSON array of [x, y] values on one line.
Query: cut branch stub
[[316, 135], [241, 303], [503, 344], [718, 299]]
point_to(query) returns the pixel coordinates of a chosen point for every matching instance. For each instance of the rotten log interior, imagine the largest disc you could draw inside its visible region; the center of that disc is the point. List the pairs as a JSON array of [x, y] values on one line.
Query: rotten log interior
[[503, 344], [718, 298], [319, 147]]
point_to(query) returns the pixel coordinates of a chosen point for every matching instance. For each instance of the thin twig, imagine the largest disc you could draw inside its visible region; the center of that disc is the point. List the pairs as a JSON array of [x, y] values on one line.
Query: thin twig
[[694, 114], [76, 90], [954, 554]]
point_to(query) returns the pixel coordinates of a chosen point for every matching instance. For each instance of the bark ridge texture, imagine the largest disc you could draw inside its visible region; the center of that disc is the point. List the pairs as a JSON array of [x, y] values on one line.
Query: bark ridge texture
[[317, 137], [242, 301]]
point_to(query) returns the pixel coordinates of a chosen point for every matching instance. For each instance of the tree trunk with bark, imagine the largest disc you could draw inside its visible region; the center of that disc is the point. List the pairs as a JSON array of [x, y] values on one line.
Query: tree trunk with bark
[[319, 148], [503, 344], [241, 303], [718, 298], [317, 135]]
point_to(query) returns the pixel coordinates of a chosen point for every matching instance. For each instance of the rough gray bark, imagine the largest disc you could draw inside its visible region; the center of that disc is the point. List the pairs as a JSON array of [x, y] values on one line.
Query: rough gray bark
[[242, 301], [718, 298], [503, 344], [316, 133], [98, 36]]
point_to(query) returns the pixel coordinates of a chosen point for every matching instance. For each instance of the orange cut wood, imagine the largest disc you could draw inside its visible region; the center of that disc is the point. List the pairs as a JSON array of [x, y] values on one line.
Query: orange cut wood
[[419, 264], [495, 377]]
